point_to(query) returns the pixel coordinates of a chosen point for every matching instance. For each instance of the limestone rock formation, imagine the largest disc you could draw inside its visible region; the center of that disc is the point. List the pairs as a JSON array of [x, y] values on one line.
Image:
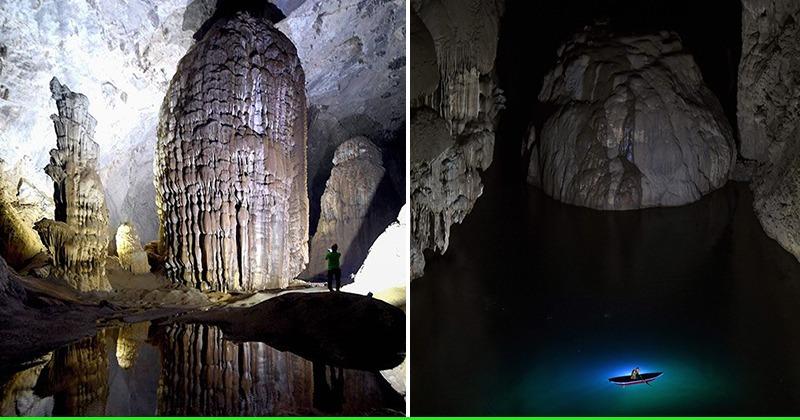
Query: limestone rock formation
[[353, 211], [353, 54], [132, 256], [454, 112], [18, 241], [78, 237], [121, 55], [231, 161], [635, 126], [769, 114], [768, 108]]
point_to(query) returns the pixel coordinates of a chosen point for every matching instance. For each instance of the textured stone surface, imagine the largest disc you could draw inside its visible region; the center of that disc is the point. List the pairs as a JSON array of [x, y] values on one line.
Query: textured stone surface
[[769, 78], [18, 241], [769, 114], [353, 54], [78, 237], [353, 212], [453, 117], [231, 161], [121, 55], [132, 256], [634, 125]]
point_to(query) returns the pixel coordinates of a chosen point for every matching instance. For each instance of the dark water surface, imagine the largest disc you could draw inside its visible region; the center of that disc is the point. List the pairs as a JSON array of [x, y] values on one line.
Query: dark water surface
[[536, 304], [149, 370]]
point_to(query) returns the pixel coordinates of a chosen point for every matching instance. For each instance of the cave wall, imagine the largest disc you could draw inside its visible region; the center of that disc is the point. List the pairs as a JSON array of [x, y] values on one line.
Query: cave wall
[[769, 114], [121, 55], [453, 117], [230, 181]]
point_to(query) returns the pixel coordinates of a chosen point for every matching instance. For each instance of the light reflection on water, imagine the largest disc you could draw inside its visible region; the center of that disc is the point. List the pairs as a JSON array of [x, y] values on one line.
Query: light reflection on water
[[189, 370]]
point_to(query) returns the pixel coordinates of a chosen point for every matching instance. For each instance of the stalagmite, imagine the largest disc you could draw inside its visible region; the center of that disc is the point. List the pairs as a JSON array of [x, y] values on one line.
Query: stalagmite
[[78, 237], [352, 211], [231, 161], [129, 250]]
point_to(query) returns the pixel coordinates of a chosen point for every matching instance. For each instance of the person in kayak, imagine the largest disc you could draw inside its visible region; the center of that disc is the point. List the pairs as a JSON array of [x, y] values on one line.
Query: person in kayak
[[635, 374], [334, 270]]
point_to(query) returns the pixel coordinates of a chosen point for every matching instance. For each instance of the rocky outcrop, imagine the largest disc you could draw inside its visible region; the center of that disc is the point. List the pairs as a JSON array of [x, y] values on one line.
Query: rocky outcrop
[[354, 210], [18, 241], [453, 115], [769, 114], [353, 54], [78, 237], [303, 324], [231, 161], [634, 125], [132, 256]]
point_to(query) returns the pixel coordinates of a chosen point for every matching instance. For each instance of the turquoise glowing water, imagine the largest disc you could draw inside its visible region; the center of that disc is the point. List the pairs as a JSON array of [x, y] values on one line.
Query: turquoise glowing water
[[536, 304]]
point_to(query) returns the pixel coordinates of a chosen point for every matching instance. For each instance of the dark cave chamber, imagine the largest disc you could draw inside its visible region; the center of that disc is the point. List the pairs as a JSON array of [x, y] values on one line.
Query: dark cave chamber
[[536, 303]]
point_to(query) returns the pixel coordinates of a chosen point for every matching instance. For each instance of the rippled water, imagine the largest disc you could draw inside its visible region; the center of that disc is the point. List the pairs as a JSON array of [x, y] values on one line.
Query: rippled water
[[149, 370], [538, 303]]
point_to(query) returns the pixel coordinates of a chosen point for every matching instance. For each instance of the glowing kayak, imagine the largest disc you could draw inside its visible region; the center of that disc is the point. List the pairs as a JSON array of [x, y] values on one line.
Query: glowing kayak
[[642, 379]]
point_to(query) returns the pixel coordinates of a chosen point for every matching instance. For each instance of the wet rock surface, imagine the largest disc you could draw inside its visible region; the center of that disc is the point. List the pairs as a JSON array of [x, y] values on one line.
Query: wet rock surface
[[337, 328], [634, 125], [355, 209], [78, 237], [231, 161], [453, 115]]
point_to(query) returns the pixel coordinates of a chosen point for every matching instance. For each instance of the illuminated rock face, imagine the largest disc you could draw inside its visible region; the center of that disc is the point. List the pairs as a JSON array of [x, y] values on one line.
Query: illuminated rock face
[[453, 117], [353, 213], [129, 250], [231, 161], [78, 237], [634, 125]]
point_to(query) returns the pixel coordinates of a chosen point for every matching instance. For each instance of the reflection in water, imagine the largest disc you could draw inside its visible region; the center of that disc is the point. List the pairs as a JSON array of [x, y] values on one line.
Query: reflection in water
[[78, 378], [188, 370]]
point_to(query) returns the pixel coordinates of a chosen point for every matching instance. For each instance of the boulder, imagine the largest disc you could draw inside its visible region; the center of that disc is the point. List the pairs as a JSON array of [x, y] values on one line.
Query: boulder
[[634, 125]]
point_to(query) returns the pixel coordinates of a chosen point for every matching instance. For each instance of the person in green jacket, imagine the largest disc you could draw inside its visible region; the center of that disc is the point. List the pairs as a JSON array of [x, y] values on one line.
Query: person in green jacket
[[334, 269]]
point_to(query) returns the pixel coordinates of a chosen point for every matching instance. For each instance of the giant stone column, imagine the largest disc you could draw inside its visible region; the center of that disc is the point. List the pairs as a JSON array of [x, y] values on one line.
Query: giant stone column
[[231, 160]]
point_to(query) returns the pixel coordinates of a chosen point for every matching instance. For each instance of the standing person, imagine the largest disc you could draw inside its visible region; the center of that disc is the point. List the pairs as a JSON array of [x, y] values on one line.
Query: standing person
[[334, 269]]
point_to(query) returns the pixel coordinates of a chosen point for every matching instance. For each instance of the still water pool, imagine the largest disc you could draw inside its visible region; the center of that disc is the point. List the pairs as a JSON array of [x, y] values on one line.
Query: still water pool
[[145, 370], [536, 304]]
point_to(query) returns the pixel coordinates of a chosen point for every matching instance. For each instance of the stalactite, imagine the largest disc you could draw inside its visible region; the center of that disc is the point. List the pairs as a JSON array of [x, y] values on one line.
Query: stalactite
[[231, 161], [78, 237]]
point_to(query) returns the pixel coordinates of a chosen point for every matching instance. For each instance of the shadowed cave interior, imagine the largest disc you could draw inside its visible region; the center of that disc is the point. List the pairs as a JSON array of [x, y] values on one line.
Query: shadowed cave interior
[[634, 207]]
